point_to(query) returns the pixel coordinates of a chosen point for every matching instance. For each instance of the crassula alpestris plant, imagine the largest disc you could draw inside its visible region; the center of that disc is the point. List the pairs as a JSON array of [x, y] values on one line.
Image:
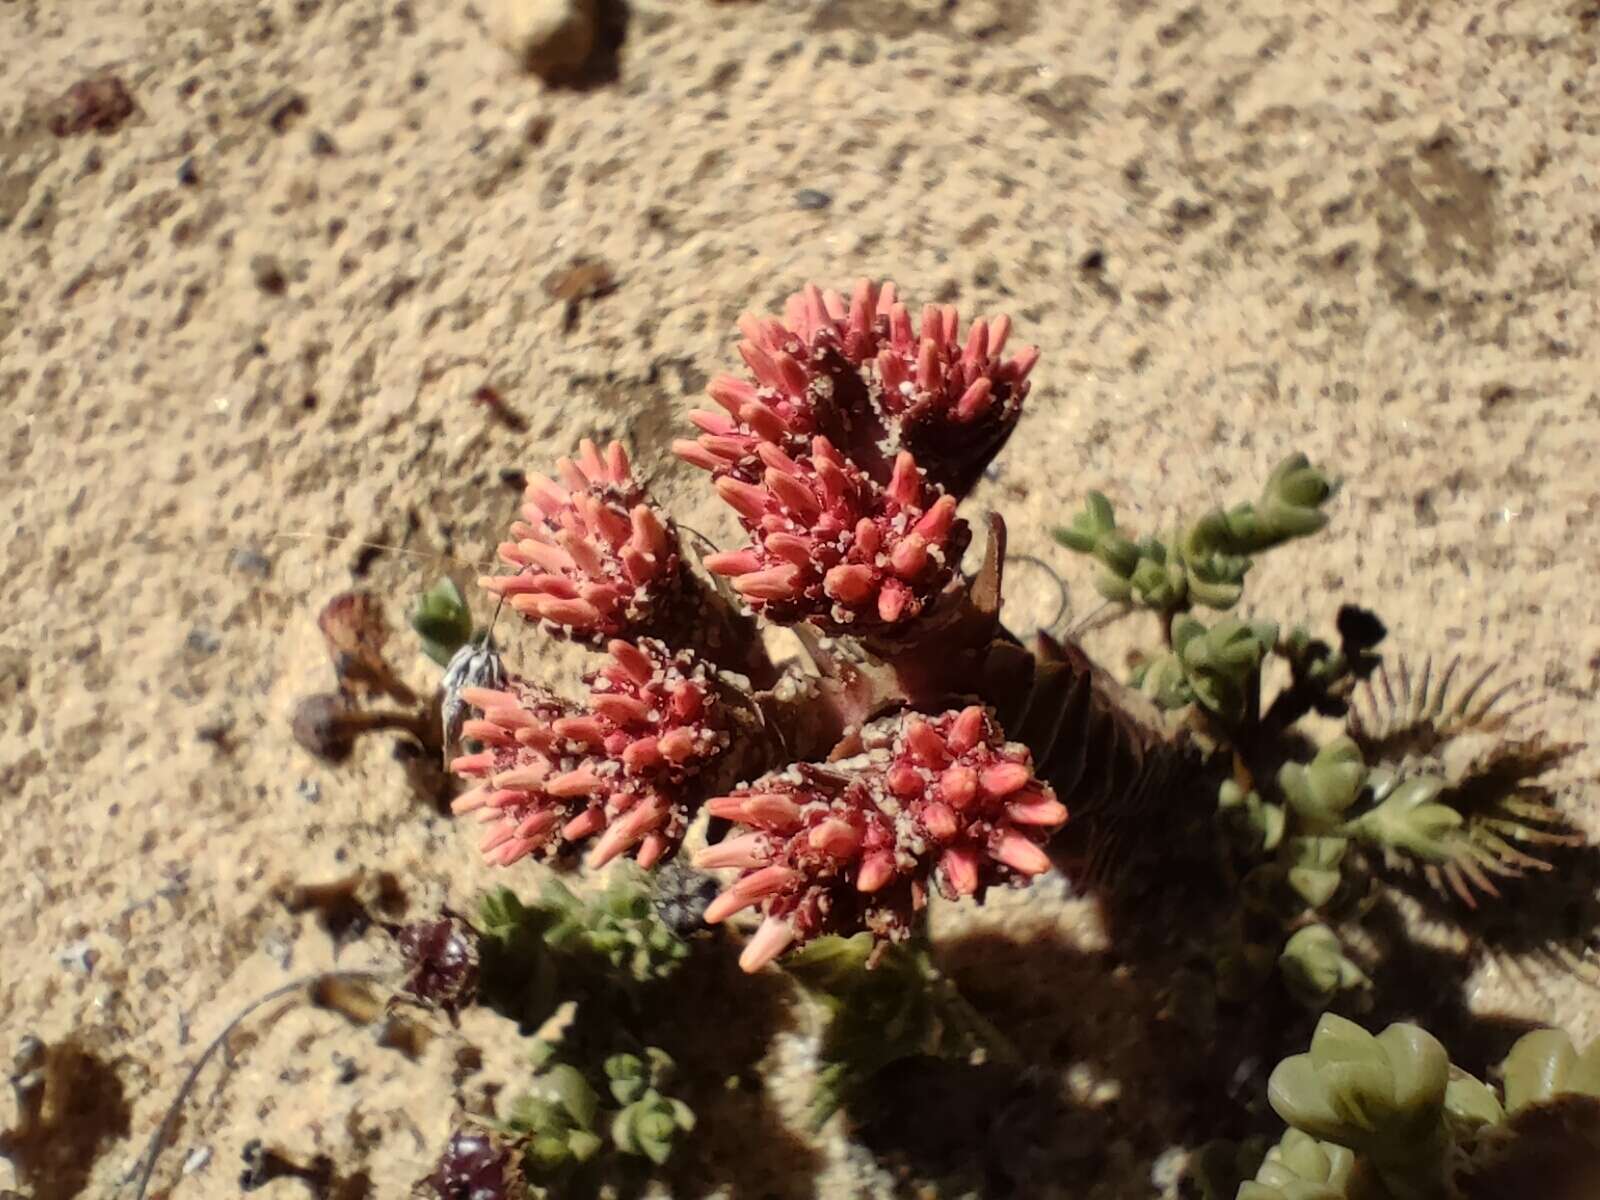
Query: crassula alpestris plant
[[859, 786], [1389, 1117], [918, 748]]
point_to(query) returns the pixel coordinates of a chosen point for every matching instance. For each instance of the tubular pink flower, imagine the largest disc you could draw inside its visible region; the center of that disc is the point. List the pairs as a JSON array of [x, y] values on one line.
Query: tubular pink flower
[[832, 547], [593, 557], [617, 772], [852, 845]]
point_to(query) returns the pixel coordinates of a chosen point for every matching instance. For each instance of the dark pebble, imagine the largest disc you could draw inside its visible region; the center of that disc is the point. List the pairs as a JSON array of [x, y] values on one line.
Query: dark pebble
[[811, 200], [202, 641], [252, 562], [268, 275]]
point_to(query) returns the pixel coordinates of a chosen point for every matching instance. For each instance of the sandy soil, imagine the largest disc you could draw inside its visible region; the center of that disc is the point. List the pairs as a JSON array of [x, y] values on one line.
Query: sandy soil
[[239, 337]]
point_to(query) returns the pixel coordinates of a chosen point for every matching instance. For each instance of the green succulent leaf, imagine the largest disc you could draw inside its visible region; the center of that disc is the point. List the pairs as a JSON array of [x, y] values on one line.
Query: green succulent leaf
[[1382, 1097], [1545, 1064], [651, 1126], [1315, 969], [574, 1094], [1322, 791], [1469, 1103], [1090, 526], [1266, 822], [1300, 1167], [899, 1008], [1163, 680], [1158, 583], [1290, 506], [832, 965], [628, 1077], [1411, 819], [1220, 664], [442, 620], [583, 1145], [1314, 867]]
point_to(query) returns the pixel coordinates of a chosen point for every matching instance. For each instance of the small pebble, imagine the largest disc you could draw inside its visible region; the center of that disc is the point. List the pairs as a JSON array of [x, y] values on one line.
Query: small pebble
[[250, 561], [202, 641], [198, 1158], [551, 38], [279, 950], [811, 200], [80, 956], [322, 145], [268, 275], [215, 733], [188, 176], [308, 790], [347, 1068], [284, 110]]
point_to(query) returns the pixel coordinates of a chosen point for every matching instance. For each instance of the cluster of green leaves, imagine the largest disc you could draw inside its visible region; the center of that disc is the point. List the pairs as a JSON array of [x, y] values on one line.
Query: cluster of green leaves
[[1298, 820], [1310, 820], [441, 618], [571, 1120], [1205, 562], [566, 946], [1214, 666], [600, 1100], [882, 1004], [1388, 1117]]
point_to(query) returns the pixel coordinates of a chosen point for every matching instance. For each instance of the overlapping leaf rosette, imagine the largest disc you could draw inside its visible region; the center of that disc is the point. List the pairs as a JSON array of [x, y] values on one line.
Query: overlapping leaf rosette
[[843, 453]]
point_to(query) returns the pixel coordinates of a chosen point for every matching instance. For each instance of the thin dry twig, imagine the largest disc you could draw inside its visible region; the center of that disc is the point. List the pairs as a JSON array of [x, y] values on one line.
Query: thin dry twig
[[164, 1131]]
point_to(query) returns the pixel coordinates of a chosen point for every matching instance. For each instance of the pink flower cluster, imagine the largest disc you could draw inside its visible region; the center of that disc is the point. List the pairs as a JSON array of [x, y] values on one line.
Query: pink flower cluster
[[593, 557], [819, 454], [830, 545], [549, 772], [849, 844]]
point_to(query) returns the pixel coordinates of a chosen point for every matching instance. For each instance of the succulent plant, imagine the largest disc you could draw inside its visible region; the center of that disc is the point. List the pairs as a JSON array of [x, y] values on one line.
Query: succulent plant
[[620, 926], [556, 1122], [1206, 562], [649, 1123], [1463, 797], [1382, 1097], [442, 620], [882, 1005], [1216, 667], [564, 944], [1391, 1118], [851, 843], [1300, 1167], [1544, 1064], [1314, 966], [593, 557]]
